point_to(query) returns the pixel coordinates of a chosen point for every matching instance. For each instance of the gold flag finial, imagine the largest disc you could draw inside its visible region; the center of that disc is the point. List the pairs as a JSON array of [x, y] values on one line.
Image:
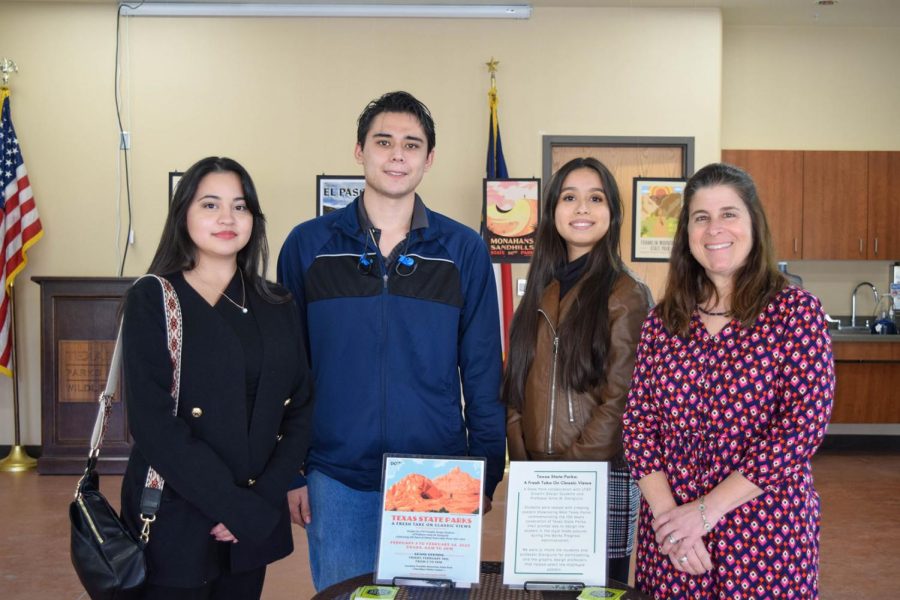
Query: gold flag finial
[[492, 69], [7, 66]]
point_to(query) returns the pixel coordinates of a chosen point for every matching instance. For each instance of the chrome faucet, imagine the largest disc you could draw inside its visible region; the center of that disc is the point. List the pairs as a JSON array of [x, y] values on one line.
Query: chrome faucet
[[831, 321], [853, 300]]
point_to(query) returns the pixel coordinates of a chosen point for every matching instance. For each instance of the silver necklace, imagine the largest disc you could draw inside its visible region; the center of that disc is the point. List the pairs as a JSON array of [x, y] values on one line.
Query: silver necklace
[[240, 306]]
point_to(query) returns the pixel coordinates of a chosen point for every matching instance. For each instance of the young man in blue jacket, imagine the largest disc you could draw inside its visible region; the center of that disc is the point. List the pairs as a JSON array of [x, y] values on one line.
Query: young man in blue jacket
[[401, 307]]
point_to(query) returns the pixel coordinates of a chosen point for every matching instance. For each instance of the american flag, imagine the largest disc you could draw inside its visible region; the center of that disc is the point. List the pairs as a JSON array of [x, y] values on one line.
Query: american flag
[[20, 226]]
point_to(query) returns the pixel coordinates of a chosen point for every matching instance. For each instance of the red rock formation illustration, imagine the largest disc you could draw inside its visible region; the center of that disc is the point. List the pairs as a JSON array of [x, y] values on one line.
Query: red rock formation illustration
[[455, 492]]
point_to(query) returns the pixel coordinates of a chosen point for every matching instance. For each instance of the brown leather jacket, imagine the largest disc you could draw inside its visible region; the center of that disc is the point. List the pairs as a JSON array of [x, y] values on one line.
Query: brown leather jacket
[[559, 424]]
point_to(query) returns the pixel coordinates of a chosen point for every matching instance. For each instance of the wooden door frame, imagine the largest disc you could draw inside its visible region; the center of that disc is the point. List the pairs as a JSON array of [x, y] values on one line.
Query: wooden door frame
[[549, 142]]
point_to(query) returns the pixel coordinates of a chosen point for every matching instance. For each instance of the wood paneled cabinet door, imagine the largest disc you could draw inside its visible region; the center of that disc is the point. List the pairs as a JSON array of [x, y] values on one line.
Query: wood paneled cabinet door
[[865, 382], [884, 206], [835, 205], [778, 175]]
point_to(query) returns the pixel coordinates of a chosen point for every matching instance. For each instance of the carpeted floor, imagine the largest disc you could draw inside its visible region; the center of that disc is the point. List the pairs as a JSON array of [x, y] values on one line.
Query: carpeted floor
[[860, 494]]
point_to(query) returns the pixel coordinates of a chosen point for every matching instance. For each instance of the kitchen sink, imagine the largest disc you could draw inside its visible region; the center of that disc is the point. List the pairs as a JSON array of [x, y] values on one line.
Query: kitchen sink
[[858, 330]]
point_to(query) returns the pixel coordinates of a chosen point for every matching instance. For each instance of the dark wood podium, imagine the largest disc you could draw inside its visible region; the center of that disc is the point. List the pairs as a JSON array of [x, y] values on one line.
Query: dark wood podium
[[78, 332]]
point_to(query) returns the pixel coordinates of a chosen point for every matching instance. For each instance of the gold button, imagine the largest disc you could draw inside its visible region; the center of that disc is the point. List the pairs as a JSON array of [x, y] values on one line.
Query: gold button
[[278, 437], [251, 482], [196, 412], [288, 401]]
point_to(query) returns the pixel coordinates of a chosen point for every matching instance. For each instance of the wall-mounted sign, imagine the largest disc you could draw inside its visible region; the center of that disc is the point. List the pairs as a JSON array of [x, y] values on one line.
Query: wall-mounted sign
[[83, 368]]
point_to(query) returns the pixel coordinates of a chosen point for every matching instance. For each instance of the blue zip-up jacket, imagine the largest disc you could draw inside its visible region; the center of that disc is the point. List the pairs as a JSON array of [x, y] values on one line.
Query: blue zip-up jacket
[[388, 352]]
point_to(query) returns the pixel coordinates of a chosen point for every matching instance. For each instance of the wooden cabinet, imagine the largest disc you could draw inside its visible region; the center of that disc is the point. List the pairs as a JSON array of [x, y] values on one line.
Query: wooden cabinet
[[827, 205], [835, 205], [884, 205], [778, 175], [867, 375]]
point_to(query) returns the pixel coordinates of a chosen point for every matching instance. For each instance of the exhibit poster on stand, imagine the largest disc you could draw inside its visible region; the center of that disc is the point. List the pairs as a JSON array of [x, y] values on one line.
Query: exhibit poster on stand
[[556, 525], [431, 521]]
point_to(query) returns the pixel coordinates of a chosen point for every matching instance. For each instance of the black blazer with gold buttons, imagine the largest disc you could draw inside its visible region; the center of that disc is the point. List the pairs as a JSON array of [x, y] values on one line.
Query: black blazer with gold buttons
[[219, 465]]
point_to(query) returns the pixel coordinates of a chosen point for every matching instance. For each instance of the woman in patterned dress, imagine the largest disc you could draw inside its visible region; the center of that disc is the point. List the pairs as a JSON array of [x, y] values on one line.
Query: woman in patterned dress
[[730, 398], [573, 341]]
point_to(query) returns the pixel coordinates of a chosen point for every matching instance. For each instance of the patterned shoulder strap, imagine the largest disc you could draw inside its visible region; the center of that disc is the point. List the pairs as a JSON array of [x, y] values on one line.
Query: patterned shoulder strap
[[173, 334], [172, 310], [152, 494]]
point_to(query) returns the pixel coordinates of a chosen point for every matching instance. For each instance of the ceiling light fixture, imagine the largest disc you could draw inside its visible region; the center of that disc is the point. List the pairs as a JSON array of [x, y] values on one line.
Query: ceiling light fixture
[[421, 11]]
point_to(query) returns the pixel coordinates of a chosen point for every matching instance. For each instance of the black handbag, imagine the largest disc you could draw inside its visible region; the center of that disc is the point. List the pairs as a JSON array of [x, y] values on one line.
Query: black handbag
[[108, 559]]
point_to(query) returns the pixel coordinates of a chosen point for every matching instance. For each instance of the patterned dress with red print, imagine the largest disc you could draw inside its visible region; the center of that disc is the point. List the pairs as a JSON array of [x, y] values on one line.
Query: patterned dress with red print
[[754, 400]]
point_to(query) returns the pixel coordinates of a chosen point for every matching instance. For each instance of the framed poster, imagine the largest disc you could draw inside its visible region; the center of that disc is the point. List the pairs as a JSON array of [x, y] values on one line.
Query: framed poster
[[656, 206], [337, 191], [174, 178], [431, 519], [510, 215]]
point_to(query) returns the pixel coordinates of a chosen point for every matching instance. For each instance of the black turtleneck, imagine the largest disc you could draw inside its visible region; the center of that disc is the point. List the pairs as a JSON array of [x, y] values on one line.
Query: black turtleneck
[[569, 274]]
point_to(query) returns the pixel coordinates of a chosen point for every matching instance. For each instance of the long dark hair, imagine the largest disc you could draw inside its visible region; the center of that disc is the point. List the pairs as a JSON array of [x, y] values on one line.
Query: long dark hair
[[755, 282], [176, 250], [584, 334]]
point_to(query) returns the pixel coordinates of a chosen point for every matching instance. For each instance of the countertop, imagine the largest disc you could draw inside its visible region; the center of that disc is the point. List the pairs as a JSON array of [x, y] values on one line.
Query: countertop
[[840, 336], [860, 333]]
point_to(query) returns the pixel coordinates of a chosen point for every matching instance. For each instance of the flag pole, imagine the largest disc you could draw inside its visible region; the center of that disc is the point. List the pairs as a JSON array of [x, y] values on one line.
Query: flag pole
[[18, 459], [505, 267]]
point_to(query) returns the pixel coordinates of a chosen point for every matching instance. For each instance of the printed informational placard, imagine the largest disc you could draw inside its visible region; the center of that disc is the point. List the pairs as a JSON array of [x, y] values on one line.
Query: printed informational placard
[[431, 520], [556, 523]]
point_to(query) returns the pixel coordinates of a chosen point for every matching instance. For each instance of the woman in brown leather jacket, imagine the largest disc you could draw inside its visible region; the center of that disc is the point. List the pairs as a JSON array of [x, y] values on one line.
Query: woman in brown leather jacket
[[573, 340]]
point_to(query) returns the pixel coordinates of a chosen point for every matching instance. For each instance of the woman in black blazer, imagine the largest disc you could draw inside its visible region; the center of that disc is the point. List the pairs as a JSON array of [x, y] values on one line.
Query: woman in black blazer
[[243, 423]]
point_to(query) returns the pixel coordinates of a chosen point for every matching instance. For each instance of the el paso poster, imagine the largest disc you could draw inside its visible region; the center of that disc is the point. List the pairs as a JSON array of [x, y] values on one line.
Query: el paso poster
[[431, 519]]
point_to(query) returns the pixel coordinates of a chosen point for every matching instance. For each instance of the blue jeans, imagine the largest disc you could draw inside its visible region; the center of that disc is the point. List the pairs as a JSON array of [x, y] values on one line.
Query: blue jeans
[[343, 534]]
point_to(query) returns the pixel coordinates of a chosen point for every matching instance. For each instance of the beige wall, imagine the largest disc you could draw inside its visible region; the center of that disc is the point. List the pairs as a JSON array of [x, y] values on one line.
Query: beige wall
[[815, 88], [282, 97], [811, 88]]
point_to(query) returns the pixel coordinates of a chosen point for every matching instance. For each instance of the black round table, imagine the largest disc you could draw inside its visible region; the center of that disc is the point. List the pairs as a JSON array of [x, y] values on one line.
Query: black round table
[[491, 588]]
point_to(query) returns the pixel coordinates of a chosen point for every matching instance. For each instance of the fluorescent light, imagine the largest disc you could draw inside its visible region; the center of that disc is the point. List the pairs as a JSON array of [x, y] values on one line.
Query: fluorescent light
[[422, 11]]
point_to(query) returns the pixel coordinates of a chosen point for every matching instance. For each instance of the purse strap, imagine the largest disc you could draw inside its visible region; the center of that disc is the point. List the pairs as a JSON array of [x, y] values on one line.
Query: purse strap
[[172, 309], [154, 483]]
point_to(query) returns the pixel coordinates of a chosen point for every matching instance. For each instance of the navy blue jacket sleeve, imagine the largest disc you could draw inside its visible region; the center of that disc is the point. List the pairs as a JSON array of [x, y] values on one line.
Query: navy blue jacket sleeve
[[480, 363]]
